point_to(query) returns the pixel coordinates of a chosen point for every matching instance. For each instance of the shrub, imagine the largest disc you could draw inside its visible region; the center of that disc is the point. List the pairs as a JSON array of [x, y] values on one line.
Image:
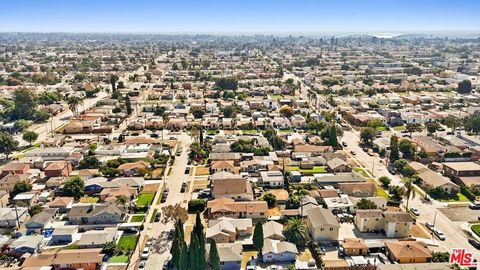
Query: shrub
[[197, 205]]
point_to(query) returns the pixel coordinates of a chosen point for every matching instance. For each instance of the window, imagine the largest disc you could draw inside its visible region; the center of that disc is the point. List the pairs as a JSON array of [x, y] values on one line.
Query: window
[[331, 229]]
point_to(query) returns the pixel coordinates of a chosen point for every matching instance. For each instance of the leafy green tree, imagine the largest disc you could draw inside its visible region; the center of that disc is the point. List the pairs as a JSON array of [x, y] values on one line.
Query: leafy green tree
[[20, 187], [396, 193], [452, 122], [228, 111], [258, 237], [295, 231], [400, 164], [30, 136], [413, 127], [74, 187], [286, 111], [7, 144], [227, 83], [385, 181], [22, 124], [464, 87], [25, 104], [432, 127], [406, 147], [113, 82], [198, 114], [409, 191], [367, 135], [34, 209], [47, 98], [366, 204], [440, 256], [394, 154], [270, 199], [214, 258], [472, 124], [89, 162]]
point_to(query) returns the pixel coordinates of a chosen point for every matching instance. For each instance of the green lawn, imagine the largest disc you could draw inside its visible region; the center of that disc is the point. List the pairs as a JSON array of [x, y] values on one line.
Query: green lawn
[[276, 96], [249, 131], [382, 128], [127, 242], [139, 218], [152, 219], [382, 193], [399, 128], [361, 171], [476, 229], [212, 132], [459, 197], [118, 259], [145, 199], [316, 169], [286, 130]]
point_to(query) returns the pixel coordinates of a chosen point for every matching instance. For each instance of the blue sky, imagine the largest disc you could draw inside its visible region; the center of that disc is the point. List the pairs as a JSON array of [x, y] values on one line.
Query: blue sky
[[239, 16]]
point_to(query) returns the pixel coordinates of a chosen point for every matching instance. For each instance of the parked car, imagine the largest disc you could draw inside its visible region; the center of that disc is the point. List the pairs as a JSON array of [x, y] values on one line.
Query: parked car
[[439, 234], [474, 243], [205, 193], [474, 206], [141, 266], [187, 170], [429, 226], [145, 253], [184, 187], [131, 230], [171, 234], [344, 144], [158, 215], [415, 211], [166, 264], [353, 152]]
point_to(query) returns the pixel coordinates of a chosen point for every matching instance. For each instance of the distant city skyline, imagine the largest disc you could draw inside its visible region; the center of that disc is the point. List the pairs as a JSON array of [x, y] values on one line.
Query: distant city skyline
[[237, 17]]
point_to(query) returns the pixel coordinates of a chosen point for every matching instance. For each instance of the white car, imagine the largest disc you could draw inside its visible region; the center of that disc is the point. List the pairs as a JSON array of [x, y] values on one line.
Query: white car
[[415, 211], [145, 253], [429, 226], [439, 234], [141, 266]]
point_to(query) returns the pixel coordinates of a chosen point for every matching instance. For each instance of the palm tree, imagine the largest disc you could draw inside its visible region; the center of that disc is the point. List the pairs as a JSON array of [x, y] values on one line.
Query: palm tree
[[73, 103], [408, 183], [121, 200], [295, 231]]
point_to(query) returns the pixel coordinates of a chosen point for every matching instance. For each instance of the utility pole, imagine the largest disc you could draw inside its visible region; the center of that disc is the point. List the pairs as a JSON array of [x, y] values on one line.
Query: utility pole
[[16, 214]]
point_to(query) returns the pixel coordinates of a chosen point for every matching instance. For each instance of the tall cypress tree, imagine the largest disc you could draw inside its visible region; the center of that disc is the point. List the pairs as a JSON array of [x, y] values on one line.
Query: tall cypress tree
[[332, 136], [179, 230], [193, 252], [198, 230], [258, 237], [214, 258], [198, 227], [128, 104], [394, 154], [176, 253], [183, 264]]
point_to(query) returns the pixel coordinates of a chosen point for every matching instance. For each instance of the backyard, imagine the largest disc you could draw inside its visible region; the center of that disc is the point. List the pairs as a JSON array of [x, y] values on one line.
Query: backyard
[[458, 197]]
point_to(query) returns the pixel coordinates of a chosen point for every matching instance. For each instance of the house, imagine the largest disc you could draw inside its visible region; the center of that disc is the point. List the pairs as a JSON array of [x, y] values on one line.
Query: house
[[461, 169], [243, 209], [40, 221], [338, 165], [15, 168], [91, 214], [26, 244], [366, 189], [380, 202], [230, 255], [86, 259], [436, 180], [225, 229], [111, 194], [50, 153], [272, 178], [408, 251], [25, 198], [63, 204], [228, 185], [222, 166], [394, 224], [278, 251], [312, 150], [273, 230], [354, 247], [322, 224], [63, 234], [133, 168], [341, 204], [97, 239], [8, 181], [58, 168], [8, 216]]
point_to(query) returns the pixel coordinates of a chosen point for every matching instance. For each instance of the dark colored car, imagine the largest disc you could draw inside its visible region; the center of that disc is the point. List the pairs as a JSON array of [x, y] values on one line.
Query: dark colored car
[[157, 217], [474, 243], [171, 234], [183, 188]]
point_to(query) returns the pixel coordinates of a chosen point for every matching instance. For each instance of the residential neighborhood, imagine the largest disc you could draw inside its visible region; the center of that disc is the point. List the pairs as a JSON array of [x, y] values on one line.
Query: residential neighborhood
[[139, 151]]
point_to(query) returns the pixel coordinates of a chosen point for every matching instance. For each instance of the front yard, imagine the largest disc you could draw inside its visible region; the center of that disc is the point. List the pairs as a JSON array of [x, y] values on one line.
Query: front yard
[[137, 218], [476, 229], [145, 199], [118, 259], [127, 243], [458, 197], [315, 169]]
